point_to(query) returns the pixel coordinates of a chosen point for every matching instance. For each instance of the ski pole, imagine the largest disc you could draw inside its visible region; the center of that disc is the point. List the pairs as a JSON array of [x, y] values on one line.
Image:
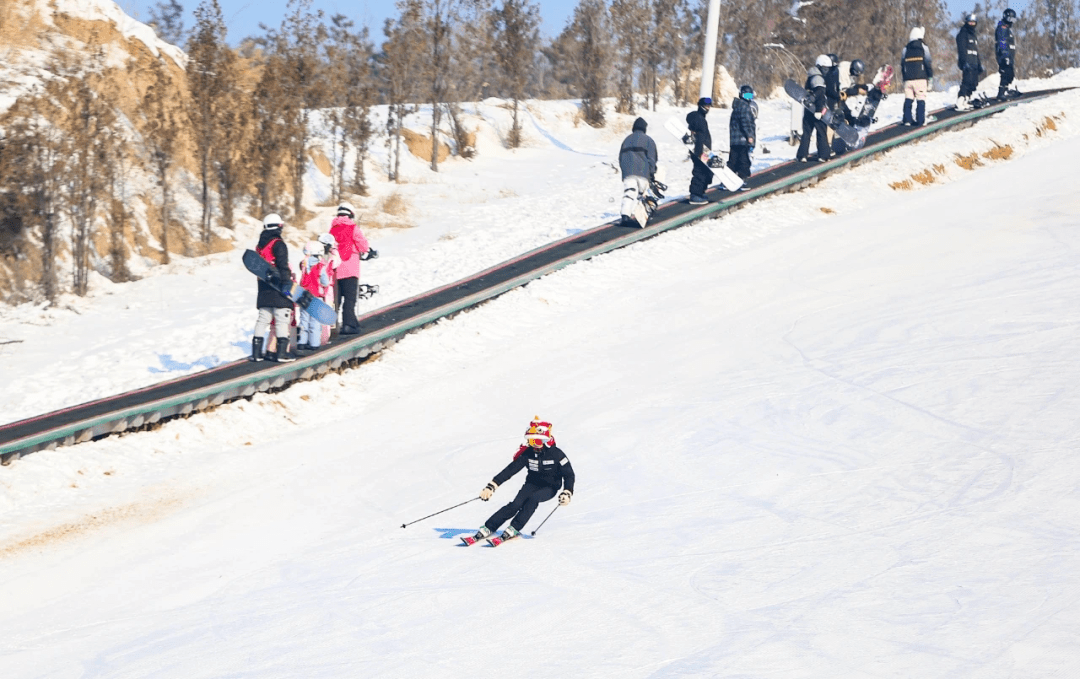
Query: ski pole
[[441, 511], [545, 520]]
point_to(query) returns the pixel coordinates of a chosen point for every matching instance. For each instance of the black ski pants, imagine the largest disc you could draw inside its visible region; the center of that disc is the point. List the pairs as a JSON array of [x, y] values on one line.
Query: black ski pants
[[739, 161], [810, 125], [346, 290], [521, 507], [1006, 72], [701, 178], [969, 81]]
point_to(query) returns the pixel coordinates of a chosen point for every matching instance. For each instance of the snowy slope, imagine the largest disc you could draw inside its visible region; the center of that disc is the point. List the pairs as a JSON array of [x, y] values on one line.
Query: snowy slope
[[806, 446]]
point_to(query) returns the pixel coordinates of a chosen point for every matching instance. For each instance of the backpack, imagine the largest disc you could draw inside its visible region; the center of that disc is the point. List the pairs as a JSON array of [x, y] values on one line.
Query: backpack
[[343, 234], [267, 252]]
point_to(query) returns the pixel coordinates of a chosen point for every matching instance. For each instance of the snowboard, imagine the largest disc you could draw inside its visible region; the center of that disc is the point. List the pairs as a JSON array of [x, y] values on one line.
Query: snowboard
[[865, 117], [320, 310], [677, 127], [846, 132], [647, 203]]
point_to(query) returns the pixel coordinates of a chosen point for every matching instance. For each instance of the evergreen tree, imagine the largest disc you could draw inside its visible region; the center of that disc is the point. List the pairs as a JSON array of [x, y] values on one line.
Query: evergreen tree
[[399, 67], [208, 84], [516, 26]]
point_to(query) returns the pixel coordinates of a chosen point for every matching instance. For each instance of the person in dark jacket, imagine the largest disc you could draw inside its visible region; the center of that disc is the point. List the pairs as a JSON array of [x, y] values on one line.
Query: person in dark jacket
[[742, 131], [1005, 50], [967, 60], [702, 174], [811, 121], [549, 470], [917, 69], [637, 160], [272, 304]]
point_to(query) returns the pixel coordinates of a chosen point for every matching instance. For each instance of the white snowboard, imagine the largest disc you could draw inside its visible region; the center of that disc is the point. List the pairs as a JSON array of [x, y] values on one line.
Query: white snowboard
[[677, 127]]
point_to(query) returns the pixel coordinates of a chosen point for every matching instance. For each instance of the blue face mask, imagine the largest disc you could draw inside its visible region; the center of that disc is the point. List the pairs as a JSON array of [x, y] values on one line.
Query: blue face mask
[[748, 95]]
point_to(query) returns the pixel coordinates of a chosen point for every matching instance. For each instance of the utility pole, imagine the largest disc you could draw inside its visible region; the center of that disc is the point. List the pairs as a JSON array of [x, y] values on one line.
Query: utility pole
[[708, 61]]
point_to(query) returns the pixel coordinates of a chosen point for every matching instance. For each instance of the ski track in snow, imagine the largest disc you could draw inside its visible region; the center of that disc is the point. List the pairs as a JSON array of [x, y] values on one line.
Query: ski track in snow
[[807, 445]]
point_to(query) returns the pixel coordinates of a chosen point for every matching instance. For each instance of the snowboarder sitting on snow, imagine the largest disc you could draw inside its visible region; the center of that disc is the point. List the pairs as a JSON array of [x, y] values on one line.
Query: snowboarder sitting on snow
[[272, 304], [917, 70], [315, 278], [549, 470], [967, 60], [637, 160], [702, 176], [811, 121], [1005, 50], [743, 132]]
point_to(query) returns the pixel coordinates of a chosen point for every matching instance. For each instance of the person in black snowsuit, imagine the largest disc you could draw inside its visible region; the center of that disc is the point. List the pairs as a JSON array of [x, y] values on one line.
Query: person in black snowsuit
[[1005, 50], [702, 174], [637, 161], [916, 69], [967, 60], [549, 470], [272, 304], [811, 121], [742, 130]]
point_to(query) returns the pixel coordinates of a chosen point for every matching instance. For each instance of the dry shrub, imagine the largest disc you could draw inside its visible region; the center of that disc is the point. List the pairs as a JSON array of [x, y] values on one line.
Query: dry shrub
[[968, 162], [1048, 125], [827, 210], [999, 152], [420, 145], [321, 161], [925, 177], [904, 185], [394, 204]]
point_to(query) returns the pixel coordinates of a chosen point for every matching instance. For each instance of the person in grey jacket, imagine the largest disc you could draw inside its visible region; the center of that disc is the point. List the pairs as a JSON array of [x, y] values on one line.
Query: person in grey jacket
[[637, 160]]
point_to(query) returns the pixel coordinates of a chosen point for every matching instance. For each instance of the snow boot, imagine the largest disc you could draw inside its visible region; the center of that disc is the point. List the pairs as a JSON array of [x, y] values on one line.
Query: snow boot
[[256, 349], [963, 104], [510, 533], [283, 355], [698, 200], [483, 534]]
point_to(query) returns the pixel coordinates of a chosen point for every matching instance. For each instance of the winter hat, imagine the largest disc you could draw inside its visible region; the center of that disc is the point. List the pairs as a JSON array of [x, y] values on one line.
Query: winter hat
[[640, 124], [539, 433], [346, 210], [704, 102], [917, 33], [272, 221], [313, 248]]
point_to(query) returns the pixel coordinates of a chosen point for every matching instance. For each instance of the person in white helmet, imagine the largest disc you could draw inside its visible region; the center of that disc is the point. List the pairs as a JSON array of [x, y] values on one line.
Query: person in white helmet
[[272, 304], [352, 247], [812, 122], [917, 70]]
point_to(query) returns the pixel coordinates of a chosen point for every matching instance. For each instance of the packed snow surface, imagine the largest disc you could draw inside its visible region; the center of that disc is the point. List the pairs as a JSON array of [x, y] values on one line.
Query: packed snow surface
[[832, 434]]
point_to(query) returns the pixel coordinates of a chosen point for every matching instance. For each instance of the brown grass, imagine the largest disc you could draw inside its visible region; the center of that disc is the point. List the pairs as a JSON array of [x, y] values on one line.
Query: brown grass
[[999, 152], [321, 161], [420, 145], [394, 204], [968, 162], [1048, 124], [904, 185], [827, 210]]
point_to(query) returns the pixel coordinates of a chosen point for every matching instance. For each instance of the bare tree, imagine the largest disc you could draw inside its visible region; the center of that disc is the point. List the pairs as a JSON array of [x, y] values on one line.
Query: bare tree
[[516, 36], [160, 132], [590, 37], [629, 23], [399, 67], [167, 20]]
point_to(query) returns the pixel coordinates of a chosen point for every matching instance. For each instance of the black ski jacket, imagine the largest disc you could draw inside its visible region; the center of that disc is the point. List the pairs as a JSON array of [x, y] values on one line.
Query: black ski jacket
[[269, 297], [742, 127], [637, 156], [967, 50], [547, 466], [832, 86], [695, 120], [915, 62], [1004, 44]]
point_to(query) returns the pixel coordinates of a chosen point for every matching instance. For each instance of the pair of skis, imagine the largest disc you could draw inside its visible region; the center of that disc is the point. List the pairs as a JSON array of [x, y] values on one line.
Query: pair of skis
[[493, 541]]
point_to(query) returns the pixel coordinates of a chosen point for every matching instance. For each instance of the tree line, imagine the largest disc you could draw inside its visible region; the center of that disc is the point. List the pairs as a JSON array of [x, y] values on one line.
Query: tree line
[[240, 119]]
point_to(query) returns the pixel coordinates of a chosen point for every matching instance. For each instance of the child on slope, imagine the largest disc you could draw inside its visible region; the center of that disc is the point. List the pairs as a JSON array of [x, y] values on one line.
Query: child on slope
[[314, 278]]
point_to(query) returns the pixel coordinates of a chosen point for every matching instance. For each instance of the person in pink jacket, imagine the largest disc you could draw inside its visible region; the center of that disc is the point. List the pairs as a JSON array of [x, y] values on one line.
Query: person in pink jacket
[[352, 247]]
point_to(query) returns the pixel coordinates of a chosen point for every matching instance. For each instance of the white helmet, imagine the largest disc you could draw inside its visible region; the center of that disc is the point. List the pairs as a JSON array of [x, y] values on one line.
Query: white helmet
[[917, 33], [824, 61], [272, 221], [328, 240], [313, 248], [346, 210]]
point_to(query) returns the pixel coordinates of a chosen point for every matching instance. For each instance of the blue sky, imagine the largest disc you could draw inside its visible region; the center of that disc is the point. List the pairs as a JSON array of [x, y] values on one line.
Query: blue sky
[[243, 16]]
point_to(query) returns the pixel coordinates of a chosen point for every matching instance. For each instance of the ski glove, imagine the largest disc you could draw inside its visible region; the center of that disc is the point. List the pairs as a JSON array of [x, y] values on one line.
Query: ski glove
[[564, 498], [370, 254], [488, 491]]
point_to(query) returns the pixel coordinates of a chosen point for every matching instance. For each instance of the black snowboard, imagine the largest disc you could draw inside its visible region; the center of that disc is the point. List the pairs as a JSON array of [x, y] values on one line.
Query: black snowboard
[[846, 132], [320, 310]]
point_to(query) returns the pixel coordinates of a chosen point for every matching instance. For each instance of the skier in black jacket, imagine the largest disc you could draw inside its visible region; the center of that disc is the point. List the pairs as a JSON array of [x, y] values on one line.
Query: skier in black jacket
[[811, 121], [272, 304], [549, 470], [1005, 50], [742, 129], [967, 60], [702, 174], [917, 70]]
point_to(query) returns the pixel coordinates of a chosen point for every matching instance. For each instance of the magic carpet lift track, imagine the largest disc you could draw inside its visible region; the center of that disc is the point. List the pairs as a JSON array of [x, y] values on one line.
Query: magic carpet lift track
[[240, 379]]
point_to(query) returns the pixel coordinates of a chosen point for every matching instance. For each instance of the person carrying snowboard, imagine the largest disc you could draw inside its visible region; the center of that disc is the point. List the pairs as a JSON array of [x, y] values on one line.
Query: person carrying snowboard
[[315, 278], [351, 245], [917, 70], [272, 304], [967, 60], [549, 470], [637, 160], [742, 131], [1005, 50], [811, 121], [702, 175], [852, 90]]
